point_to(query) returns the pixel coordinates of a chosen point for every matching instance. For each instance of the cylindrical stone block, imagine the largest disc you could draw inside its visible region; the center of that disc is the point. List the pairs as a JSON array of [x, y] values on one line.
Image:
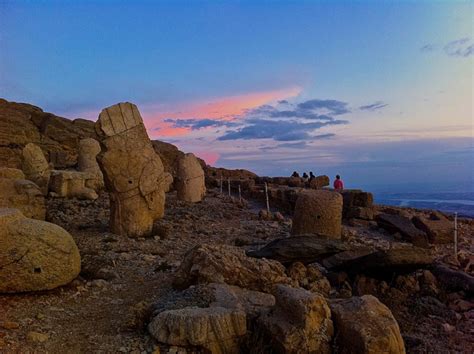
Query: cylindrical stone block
[[318, 212]]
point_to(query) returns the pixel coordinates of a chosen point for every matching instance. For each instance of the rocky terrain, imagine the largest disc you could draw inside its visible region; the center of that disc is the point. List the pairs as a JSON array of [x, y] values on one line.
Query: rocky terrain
[[167, 266]]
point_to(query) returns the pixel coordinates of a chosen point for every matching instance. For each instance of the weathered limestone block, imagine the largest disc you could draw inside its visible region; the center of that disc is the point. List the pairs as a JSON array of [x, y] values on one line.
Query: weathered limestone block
[[318, 212], [133, 172], [18, 193], [34, 255], [71, 184], [357, 204], [190, 182], [319, 182], [227, 264], [365, 325], [87, 162], [214, 329], [35, 166], [299, 323]]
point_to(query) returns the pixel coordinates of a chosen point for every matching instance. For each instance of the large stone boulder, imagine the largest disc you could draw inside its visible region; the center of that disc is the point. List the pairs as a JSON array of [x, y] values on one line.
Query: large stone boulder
[[34, 255], [227, 264], [438, 228], [404, 226], [18, 193], [215, 329], [318, 212], [365, 325], [35, 166], [357, 204], [87, 162], [300, 322], [319, 182], [133, 172], [190, 182], [72, 184]]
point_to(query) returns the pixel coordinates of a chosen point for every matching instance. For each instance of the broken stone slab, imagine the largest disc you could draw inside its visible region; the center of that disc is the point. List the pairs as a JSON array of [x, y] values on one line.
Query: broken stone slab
[[385, 263], [365, 325], [228, 264], [404, 226], [34, 255], [214, 329], [318, 212], [438, 228], [306, 249], [341, 258], [35, 166], [190, 182], [453, 280], [300, 322], [19, 193], [133, 172], [72, 184]]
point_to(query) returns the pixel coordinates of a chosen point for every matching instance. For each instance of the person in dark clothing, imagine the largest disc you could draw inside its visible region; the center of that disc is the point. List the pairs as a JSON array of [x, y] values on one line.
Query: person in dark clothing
[[311, 176], [305, 175], [295, 174]]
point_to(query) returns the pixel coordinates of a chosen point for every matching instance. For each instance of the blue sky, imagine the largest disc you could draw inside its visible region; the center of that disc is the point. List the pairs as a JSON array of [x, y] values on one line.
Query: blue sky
[[257, 84]]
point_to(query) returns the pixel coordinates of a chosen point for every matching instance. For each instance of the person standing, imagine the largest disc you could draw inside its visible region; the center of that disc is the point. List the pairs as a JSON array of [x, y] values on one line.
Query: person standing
[[338, 183]]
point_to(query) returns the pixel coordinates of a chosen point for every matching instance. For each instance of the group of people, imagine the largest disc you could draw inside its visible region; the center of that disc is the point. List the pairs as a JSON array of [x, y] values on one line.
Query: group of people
[[338, 183]]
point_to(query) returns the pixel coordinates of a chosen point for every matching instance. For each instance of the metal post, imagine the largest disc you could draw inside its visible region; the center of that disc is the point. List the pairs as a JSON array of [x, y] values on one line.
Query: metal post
[[240, 195], [221, 184], [228, 185], [456, 235], [266, 197]]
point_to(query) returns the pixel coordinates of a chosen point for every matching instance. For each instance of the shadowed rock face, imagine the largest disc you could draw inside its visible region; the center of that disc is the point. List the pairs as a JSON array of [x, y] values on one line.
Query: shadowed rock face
[[35, 255], [133, 172], [19, 193], [190, 182]]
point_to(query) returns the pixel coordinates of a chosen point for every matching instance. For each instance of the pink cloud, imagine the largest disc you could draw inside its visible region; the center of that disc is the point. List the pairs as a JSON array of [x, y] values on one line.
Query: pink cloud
[[223, 108], [211, 157]]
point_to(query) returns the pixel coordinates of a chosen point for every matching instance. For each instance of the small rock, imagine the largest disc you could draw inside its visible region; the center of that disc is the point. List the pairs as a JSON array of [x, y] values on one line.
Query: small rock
[[10, 325], [37, 337], [448, 328]]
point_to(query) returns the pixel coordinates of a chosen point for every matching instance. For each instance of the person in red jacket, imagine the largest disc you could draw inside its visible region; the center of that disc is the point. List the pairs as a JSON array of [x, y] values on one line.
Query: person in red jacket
[[338, 184]]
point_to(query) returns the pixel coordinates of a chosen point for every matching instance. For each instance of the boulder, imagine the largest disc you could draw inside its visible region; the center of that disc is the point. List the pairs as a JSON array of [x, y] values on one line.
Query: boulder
[[35, 166], [34, 255], [215, 329], [438, 228], [454, 280], [227, 264], [305, 249], [87, 162], [318, 212], [72, 184], [169, 155], [300, 322], [19, 193], [365, 325], [319, 182], [133, 172], [190, 182], [404, 226]]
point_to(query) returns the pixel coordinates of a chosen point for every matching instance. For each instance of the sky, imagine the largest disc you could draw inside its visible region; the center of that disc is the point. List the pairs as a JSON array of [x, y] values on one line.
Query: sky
[[379, 92]]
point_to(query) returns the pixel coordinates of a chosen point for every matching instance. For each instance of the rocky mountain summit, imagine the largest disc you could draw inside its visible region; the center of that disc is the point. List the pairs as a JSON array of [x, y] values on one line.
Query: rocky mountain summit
[[111, 242]]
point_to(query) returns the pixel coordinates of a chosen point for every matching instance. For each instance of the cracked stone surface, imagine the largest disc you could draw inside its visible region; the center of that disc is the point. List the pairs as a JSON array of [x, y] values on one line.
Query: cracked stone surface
[[133, 172], [34, 255]]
